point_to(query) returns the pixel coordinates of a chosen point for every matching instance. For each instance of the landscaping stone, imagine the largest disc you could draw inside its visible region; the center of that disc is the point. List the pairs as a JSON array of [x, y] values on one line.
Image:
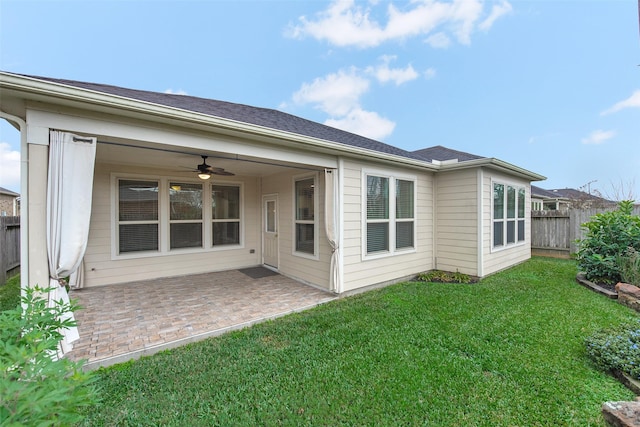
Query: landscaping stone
[[622, 414], [581, 278], [629, 295]]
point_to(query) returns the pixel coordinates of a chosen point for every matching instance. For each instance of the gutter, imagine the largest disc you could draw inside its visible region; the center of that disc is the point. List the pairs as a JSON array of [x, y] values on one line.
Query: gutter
[[24, 200], [494, 163], [39, 87]]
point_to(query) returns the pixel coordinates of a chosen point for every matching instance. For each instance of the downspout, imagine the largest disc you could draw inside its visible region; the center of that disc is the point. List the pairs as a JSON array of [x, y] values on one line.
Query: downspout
[[434, 222], [24, 200], [480, 184], [341, 223]]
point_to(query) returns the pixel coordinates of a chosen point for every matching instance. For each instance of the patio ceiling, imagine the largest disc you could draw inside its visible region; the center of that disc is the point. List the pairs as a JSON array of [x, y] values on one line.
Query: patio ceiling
[[179, 161]]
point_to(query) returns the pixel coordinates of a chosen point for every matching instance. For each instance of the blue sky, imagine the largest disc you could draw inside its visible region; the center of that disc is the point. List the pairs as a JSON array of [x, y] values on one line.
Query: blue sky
[[550, 86]]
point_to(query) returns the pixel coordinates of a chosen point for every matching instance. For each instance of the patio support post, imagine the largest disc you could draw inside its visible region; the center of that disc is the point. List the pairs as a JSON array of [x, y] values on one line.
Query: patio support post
[[332, 226]]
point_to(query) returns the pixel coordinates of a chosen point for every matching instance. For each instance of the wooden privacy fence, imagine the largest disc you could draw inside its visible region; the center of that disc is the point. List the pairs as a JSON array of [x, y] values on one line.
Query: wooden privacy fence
[[554, 233], [9, 247]]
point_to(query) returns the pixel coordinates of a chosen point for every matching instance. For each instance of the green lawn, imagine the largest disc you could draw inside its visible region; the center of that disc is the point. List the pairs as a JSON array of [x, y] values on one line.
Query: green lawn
[[508, 351], [10, 294]]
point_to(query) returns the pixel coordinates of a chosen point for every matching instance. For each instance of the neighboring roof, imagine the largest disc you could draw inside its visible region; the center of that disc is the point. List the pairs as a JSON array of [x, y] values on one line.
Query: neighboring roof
[[541, 192], [8, 192], [441, 153], [573, 194], [265, 117]]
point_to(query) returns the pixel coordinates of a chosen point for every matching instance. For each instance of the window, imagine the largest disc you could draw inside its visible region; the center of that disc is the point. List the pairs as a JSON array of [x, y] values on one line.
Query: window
[[404, 214], [185, 217], [390, 214], [508, 214], [225, 202], [137, 216], [377, 214], [305, 216]]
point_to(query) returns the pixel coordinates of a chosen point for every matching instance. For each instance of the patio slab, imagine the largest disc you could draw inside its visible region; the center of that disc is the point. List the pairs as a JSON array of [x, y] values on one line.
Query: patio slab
[[126, 321]]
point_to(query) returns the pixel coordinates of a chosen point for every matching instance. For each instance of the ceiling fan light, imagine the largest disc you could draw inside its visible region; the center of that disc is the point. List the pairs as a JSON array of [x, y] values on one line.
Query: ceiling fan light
[[204, 175]]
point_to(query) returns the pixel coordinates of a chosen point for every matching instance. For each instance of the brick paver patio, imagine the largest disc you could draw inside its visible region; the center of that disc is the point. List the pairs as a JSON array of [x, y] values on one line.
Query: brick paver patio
[[125, 321]]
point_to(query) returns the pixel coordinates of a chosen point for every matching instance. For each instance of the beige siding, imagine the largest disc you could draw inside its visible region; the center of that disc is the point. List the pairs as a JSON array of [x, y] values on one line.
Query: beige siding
[[457, 221], [312, 271], [496, 260], [102, 268], [359, 272]]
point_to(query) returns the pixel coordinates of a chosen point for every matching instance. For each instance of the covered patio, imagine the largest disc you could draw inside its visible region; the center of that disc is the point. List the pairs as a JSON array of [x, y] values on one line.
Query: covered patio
[[126, 321]]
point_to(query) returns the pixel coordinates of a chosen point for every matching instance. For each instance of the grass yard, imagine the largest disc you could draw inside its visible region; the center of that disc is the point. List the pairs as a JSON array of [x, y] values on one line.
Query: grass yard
[[508, 351], [10, 294]]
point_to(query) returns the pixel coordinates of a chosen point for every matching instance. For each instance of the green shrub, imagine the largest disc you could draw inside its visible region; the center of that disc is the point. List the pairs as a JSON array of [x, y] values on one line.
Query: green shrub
[[609, 234], [617, 349], [444, 277], [35, 388], [629, 264]]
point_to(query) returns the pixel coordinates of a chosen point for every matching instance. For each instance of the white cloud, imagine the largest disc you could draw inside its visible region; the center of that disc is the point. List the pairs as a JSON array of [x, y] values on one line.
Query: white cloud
[[9, 167], [429, 73], [365, 123], [632, 102], [497, 11], [438, 41], [347, 23], [175, 92], [385, 74], [336, 94], [598, 137]]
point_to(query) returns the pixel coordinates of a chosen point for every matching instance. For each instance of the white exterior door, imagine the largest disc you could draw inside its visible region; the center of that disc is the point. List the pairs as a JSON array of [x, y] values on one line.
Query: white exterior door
[[270, 230]]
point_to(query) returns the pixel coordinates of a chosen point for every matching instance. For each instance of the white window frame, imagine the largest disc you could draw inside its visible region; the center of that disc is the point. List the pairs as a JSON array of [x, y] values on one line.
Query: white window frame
[[115, 216], [200, 221], [504, 219], [164, 217], [392, 221], [316, 212], [240, 243]]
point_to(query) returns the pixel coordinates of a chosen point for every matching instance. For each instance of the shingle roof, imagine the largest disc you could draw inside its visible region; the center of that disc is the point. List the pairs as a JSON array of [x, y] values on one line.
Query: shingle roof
[[441, 153], [265, 117], [573, 194], [8, 192], [541, 192]]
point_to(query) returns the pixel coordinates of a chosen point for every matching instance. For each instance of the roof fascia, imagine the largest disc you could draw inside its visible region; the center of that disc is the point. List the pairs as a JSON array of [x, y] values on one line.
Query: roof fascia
[[81, 95]]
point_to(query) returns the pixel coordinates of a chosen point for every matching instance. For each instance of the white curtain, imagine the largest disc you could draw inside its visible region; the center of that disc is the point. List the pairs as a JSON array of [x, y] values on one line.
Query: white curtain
[[331, 222], [69, 192]]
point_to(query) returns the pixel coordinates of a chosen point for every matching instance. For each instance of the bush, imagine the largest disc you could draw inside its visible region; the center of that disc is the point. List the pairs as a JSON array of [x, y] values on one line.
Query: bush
[[36, 388], [629, 264], [609, 234], [444, 277], [617, 349]]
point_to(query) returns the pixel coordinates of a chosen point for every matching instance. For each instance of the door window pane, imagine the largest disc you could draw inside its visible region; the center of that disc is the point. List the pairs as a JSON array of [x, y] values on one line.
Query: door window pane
[[271, 216]]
